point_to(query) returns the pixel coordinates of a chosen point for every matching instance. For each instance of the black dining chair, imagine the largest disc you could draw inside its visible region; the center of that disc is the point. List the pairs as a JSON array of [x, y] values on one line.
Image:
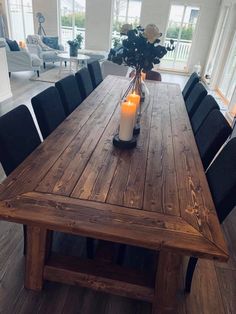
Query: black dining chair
[[95, 73], [48, 109], [153, 76], [18, 139], [221, 177], [211, 135], [206, 106], [84, 82], [192, 81], [69, 92], [194, 99]]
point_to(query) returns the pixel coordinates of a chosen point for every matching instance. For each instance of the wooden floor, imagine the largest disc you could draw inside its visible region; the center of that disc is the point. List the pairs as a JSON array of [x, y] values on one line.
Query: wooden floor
[[214, 284]]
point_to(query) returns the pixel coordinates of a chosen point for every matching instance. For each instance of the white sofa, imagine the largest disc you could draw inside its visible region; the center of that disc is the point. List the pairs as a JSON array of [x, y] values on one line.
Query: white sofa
[[22, 60], [49, 55]]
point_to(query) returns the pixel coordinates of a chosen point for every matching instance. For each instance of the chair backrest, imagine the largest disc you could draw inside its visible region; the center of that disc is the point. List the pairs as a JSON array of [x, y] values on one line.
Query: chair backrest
[[194, 99], [153, 76], [211, 136], [206, 106], [84, 82], [192, 81], [69, 93], [18, 137], [221, 177], [95, 73], [48, 109]]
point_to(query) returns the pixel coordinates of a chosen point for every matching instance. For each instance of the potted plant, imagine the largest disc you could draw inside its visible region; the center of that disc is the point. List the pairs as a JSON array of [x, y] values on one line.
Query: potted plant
[[75, 44]]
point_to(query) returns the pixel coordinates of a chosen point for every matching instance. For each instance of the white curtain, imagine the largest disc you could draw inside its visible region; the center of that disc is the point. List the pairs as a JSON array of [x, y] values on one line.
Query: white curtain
[[3, 32]]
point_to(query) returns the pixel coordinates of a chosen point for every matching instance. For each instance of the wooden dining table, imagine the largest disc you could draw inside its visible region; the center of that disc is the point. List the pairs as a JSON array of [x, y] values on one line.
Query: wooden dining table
[[154, 196]]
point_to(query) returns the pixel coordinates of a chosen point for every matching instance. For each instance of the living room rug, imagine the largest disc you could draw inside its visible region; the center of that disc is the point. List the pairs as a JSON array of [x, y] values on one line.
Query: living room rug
[[51, 75]]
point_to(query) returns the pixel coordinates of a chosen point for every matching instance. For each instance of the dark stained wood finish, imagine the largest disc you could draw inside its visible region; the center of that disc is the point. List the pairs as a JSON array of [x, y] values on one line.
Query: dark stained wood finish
[[155, 196], [167, 283], [92, 274], [35, 257]]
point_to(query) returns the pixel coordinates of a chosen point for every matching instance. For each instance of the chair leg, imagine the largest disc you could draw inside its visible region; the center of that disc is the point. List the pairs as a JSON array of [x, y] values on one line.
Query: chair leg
[[189, 274], [25, 239], [90, 247], [44, 65], [37, 73]]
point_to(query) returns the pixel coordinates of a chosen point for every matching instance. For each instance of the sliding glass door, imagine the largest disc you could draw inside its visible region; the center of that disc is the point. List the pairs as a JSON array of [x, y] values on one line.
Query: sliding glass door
[[125, 11], [21, 18], [228, 80], [181, 28], [72, 20]]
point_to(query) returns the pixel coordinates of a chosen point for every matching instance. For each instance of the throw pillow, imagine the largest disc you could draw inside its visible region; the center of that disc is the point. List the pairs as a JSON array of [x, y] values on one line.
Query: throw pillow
[[36, 40], [51, 42], [12, 45]]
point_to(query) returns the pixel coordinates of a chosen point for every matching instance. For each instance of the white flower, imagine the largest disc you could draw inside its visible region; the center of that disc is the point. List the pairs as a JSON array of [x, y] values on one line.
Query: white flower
[[125, 28], [151, 32]]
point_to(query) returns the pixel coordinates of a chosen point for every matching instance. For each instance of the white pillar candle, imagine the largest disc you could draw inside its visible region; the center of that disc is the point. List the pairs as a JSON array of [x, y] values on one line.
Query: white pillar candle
[[127, 118], [135, 98]]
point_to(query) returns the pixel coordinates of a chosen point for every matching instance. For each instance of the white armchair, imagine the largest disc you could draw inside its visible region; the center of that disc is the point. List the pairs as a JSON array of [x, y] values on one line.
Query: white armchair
[[44, 52], [21, 60]]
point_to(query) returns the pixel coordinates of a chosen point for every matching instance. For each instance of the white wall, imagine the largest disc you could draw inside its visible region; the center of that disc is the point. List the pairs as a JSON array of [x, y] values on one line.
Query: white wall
[[49, 9], [98, 24], [157, 11]]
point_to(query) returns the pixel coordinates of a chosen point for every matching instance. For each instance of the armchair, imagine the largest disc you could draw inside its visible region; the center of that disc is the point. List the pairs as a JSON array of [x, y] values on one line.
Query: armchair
[[21, 60], [46, 53]]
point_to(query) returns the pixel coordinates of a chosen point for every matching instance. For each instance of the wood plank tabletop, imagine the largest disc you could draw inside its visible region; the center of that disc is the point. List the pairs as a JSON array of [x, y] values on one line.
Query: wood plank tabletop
[[155, 195]]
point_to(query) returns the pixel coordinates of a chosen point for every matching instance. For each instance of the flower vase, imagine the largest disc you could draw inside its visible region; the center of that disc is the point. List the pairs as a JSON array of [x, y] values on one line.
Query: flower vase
[[138, 86], [73, 51]]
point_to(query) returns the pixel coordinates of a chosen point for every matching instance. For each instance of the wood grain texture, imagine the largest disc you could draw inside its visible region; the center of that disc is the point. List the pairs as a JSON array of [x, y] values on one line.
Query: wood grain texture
[[92, 274], [155, 196], [35, 257], [167, 283], [111, 223]]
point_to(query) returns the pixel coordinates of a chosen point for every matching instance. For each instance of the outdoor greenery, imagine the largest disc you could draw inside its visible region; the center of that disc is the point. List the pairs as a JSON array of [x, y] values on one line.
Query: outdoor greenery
[[66, 20], [173, 32], [118, 24]]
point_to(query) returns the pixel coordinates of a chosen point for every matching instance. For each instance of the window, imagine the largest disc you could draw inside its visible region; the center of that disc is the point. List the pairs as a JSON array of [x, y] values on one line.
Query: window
[[228, 80], [21, 18], [72, 16], [181, 27], [125, 11]]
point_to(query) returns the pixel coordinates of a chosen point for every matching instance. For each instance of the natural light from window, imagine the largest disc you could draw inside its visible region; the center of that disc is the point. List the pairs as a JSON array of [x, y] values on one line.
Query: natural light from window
[[21, 18], [125, 11], [181, 27], [72, 13]]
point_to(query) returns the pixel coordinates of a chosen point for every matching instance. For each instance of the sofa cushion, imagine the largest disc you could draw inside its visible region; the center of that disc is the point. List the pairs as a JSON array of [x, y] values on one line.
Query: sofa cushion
[[49, 56], [51, 42], [13, 45]]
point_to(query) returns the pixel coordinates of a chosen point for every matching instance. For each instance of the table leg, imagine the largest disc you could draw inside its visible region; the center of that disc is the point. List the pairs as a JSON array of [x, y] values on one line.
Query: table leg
[[167, 283], [37, 249]]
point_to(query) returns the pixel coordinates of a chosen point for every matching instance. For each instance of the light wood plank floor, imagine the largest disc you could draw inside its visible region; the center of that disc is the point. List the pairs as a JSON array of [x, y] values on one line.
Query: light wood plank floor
[[214, 284]]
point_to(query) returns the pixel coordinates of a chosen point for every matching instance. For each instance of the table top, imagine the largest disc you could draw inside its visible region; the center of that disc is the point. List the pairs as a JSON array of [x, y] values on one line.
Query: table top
[[155, 196], [66, 56]]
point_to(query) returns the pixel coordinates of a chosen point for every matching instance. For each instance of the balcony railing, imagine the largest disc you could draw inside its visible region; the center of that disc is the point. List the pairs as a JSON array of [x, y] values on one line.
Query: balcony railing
[[181, 52], [67, 34]]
